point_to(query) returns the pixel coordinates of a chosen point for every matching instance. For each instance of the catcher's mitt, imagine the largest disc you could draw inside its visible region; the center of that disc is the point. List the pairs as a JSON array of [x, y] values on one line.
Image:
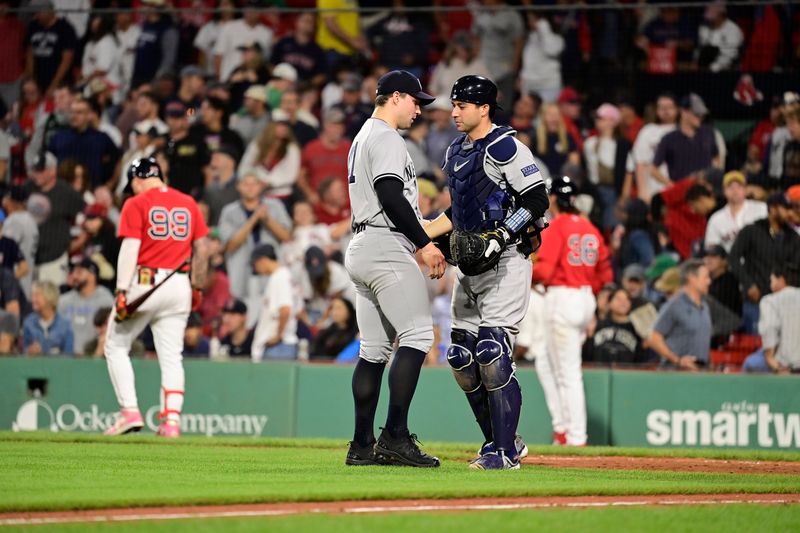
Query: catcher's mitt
[[475, 253], [443, 243]]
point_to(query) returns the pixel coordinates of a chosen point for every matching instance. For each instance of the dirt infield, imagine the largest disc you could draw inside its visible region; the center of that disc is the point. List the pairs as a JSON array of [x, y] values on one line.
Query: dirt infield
[[465, 504], [674, 464], [385, 506]]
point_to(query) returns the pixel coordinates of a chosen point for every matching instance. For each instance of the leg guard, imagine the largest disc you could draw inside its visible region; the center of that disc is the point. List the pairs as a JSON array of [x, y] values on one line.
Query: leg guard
[[467, 374], [497, 374]]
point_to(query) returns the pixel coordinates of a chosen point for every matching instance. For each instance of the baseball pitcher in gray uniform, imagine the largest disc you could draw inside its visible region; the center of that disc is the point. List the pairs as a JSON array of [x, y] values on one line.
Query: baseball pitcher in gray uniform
[[498, 199], [391, 300]]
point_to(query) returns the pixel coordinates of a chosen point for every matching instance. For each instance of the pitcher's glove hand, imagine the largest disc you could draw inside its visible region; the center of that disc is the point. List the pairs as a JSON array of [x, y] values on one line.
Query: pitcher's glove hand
[[476, 253], [121, 306]]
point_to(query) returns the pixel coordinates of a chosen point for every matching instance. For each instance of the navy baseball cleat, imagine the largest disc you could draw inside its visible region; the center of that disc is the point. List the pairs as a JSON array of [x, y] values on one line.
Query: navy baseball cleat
[[494, 461], [360, 455], [488, 447], [402, 451]]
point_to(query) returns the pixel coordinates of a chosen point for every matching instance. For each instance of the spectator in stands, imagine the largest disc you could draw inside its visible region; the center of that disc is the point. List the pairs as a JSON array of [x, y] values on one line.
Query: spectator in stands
[[757, 147], [306, 233], [74, 173], [786, 153], [97, 116], [638, 244], [415, 137], [501, 33], [236, 339], [647, 182], [90, 147], [300, 50], [758, 249], [10, 310], [192, 89], [98, 242], [58, 204], [725, 224], [320, 281], [670, 31], [213, 126], [195, 344], [221, 190], [146, 142], [216, 293], [615, 340], [48, 124], [44, 331], [333, 205], [609, 164], [401, 39], [101, 53], [236, 33], [206, 38], [356, 112], [342, 330], [688, 204], [339, 32], [541, 67], [275, 158], [682, 332], [79, 306], [148, 108], [631, 123], [570, 106], [719, 39], [127, 34], [291, 113], [52, 45], [553, 144], [442, 129], [324, 157], [525, 111], [186, 151], [254, 116], [252, 70], [11, 256], [428, 195], [157, 47], [12, 42], [634, 281], [20, 226], [459, 59], [724, 285], [275, 334], [245, 224], [779, 325]]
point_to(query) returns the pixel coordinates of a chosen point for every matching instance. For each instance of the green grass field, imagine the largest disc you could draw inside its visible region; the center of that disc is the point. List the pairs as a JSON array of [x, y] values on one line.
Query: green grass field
[[42, 471]]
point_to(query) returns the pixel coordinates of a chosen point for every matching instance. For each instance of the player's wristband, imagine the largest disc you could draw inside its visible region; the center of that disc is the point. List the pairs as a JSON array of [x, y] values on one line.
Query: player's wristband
[[518, 221]]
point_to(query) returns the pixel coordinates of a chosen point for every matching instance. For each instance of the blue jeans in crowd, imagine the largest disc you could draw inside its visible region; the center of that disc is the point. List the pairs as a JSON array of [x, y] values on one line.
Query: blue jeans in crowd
[[281, 351]]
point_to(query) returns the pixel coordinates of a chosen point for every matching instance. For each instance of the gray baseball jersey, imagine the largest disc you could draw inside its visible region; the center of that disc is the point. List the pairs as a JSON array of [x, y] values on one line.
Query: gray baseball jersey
[[391, 296], [378, 152]]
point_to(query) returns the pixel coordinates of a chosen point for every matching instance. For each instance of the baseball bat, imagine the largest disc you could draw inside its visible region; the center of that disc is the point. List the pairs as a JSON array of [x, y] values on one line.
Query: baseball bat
[[135, 304]]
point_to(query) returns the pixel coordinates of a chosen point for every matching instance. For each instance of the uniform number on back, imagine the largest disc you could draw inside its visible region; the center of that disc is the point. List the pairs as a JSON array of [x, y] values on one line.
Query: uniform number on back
[[351, 164], [169, 223], [583, 249]]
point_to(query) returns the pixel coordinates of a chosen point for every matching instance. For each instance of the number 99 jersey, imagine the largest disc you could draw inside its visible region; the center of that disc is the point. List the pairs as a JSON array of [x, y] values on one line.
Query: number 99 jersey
[[573, 254], [167, 222]]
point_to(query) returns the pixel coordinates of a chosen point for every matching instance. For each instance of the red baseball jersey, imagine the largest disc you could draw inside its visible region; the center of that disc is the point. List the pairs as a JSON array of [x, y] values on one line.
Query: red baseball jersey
[[167, 222], [573, 254]]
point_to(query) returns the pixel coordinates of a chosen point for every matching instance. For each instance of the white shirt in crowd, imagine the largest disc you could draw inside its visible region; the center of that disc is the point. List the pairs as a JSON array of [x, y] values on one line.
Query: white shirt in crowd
[[541, 68], [605, 153], [127, 48], [238, 33], [280, 178], [727, 38], [779, 325], [279, 293], [102, 55], [206, 40], [644, 149], [723, 226], [444, 76]]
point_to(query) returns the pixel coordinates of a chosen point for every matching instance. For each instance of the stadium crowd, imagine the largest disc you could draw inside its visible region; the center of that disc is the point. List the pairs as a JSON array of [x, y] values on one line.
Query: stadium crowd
[[251, 110]]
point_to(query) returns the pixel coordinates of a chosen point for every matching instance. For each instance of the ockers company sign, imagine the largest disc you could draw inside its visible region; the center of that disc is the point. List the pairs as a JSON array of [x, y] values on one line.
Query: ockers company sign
[[36, 414], [734, 424]]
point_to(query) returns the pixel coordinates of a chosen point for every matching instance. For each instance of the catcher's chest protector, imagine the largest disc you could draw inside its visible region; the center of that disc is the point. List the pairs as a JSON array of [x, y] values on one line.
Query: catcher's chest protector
[[470, 186]]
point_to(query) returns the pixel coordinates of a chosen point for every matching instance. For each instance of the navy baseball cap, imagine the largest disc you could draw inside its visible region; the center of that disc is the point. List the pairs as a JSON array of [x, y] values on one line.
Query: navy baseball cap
[[404, 82], [235, 306], [263, 250]]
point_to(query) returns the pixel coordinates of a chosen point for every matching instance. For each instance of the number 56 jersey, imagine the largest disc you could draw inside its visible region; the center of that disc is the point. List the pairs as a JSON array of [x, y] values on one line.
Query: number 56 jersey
[[573, 254], [167, 222]]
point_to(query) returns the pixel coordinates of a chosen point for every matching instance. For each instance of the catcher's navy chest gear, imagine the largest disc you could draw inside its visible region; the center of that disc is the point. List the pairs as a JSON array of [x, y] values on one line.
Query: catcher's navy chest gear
[[478, 201]]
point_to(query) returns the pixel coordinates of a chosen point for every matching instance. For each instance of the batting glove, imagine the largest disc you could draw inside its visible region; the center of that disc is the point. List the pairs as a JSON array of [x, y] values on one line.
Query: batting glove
[[121, 306]]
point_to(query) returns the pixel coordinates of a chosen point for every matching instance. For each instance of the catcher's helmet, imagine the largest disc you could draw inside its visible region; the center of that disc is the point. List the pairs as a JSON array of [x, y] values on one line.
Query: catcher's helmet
[[475, 90], [147, 167], [565, 192]]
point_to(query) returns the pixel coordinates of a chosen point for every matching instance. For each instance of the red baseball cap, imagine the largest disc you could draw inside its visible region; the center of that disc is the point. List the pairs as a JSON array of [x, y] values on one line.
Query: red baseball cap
[[568, 95]]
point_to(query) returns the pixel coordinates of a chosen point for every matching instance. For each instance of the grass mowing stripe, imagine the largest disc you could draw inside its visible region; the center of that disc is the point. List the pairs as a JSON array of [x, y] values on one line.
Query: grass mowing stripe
[[443, 450], [41, 475], [739, 517]]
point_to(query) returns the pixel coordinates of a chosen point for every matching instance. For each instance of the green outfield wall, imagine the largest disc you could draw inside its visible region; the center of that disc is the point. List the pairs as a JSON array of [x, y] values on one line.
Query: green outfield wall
[[625, 408]]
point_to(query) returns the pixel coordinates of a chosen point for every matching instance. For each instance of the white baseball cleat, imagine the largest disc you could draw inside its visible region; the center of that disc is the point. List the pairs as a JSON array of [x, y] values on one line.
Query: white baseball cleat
[[128, 421]]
